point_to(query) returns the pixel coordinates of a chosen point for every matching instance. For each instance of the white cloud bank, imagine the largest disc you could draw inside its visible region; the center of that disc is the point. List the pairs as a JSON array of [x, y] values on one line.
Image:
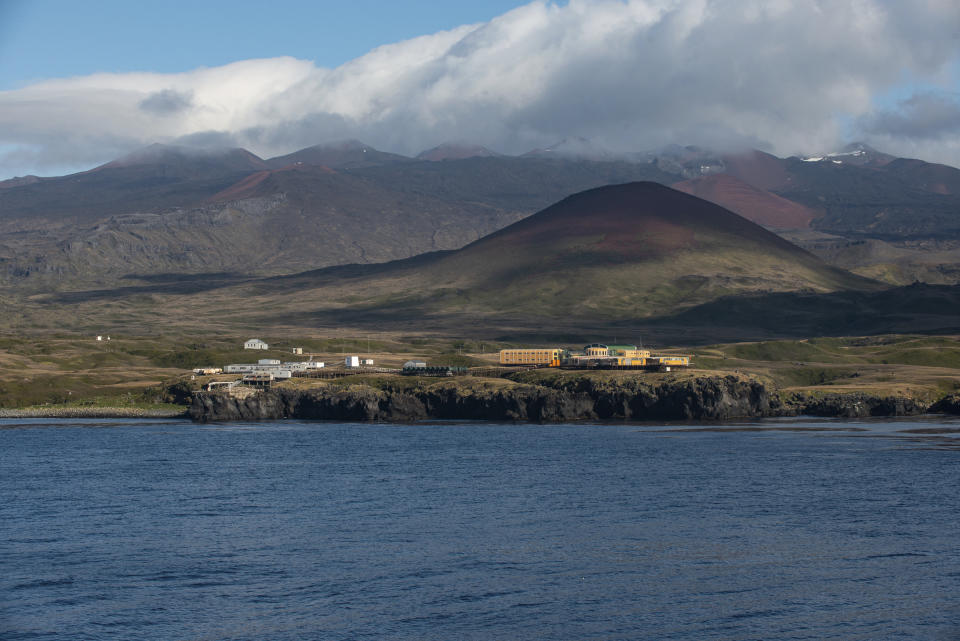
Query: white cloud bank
[[777, 74]]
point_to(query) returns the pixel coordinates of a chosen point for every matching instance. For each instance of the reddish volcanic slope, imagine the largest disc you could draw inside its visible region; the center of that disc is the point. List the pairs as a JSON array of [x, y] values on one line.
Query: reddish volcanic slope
[[253, 185], [761, 207], [758, 169], [243, 189], [636, 219]]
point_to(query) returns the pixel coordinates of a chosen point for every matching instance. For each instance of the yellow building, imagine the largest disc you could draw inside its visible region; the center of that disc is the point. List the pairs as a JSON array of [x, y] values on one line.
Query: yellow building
[[668, 361], [597, 351], [549, 357]]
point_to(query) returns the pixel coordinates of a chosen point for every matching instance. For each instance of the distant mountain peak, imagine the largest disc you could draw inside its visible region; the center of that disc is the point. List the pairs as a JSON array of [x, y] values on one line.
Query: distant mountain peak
[[344, 144], [147, 155], [859, 146], [455, 151], [574, 147], [688, 161], [19, 181], [855, 153], [339, 154], [158, 153]]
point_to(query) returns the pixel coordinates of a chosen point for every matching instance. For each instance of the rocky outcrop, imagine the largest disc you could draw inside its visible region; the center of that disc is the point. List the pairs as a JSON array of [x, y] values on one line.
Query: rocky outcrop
[[857, 405], [666, 398], [947, 405], [562, 399]]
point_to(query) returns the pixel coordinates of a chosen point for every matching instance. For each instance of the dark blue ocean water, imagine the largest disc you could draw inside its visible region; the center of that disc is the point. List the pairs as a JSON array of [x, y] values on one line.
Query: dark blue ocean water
[[280, 531]]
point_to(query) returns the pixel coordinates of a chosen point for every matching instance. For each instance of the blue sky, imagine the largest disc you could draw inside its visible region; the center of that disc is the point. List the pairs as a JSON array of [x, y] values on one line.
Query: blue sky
[[41, 39], [82, 83]]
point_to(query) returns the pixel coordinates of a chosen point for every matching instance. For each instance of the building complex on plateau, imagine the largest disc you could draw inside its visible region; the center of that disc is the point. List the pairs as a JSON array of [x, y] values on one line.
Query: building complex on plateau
[[594, 356]]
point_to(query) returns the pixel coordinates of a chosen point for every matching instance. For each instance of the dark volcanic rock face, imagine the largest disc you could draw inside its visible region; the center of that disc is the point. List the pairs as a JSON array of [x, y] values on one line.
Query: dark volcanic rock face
[[707, 398], [947, 405], [551, 397], [859, 406], [701, 398]]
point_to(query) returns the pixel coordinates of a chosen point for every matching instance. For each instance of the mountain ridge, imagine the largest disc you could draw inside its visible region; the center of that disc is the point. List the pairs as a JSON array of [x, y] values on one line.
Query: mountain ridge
[[338, 155], [172, 209]]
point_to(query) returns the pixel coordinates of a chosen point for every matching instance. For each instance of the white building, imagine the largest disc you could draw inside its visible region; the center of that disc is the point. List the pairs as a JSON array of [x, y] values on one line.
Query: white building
[[239, 368], [302, 366], [352, 361], [272, 365], [255, 343]]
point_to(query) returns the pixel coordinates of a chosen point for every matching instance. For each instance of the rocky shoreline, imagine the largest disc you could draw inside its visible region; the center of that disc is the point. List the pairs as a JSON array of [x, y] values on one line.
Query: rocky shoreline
[[548, 398]]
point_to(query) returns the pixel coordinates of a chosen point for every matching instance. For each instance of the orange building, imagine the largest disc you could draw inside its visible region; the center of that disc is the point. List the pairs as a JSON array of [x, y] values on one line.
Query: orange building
[[550, 357]]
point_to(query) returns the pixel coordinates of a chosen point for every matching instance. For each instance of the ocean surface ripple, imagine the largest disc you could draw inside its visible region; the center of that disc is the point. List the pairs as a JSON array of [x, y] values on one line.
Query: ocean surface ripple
[[162, 529]]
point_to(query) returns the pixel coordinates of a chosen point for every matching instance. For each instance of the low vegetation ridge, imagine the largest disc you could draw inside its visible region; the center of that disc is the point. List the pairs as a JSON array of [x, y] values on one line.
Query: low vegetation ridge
[[79, 411]]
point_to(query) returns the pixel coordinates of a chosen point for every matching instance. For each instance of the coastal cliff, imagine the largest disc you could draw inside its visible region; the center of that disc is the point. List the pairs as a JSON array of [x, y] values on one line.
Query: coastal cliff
[[533, 396], [949, 404], [549, 396], [858, 405]]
